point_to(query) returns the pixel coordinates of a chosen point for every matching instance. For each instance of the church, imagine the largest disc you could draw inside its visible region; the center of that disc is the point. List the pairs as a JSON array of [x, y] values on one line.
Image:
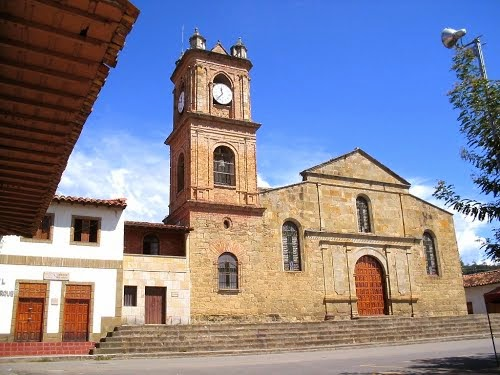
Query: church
[[349, 240]]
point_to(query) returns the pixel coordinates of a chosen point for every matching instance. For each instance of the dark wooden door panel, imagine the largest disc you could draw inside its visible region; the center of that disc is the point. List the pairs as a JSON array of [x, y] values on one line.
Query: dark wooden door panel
[[29, 321], [76, 320], [76, 313], [370, 289], [155, 305]]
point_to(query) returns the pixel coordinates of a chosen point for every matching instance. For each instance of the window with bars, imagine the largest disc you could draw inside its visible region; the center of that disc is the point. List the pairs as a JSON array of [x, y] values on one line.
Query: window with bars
[[291, 247], [430, 254], [224, 166], [227, 266], [363, 210], [151, 245], [130, 295], [86, 230], [180, 173]]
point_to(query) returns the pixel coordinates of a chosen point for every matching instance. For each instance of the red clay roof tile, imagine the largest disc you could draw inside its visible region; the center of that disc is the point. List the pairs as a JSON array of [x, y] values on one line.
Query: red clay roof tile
[[482, 278]]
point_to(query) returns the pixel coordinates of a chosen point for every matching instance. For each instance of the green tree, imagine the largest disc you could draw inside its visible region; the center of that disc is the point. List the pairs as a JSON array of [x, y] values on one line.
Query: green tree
[[478, 101]]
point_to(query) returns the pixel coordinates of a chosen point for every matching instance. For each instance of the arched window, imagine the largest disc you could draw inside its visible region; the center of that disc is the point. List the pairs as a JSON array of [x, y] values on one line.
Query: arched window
[[150, 245], [430, 254], [180, 173], [363, 215], [291, 247], [227, 266], [224, 166]]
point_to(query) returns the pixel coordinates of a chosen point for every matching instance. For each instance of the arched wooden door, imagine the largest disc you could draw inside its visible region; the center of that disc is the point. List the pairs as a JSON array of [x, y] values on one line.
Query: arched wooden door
[[370, 286]]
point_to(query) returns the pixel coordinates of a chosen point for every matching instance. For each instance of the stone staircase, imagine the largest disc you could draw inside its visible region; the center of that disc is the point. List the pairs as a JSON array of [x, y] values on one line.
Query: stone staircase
[[163, 340]]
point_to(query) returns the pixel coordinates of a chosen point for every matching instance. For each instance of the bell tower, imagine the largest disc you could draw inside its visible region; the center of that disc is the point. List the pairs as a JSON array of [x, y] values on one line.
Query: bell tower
[[213, 141]]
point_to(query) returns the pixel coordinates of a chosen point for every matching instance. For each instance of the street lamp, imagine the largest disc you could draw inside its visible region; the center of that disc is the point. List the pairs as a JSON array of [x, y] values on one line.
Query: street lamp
[[450, 39]]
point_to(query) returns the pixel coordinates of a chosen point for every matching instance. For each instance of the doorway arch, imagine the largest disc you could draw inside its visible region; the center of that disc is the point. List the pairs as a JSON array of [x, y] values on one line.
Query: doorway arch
[[370, 286]]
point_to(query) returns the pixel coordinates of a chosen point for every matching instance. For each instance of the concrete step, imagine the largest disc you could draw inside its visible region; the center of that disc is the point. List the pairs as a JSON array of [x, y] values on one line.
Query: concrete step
[[285, 336]]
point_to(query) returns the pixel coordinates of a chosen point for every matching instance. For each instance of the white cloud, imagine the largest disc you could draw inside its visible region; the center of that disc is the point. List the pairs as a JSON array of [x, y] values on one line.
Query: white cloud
[[121, 166]]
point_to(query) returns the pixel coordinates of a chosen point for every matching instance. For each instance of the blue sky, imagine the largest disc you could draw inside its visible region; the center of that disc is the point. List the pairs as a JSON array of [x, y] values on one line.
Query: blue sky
[[328, 76]]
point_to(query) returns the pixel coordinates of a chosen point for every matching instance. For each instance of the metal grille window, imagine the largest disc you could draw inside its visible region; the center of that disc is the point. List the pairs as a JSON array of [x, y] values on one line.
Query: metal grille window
[[130, 295], [224, 166], [430, 254], [150, 245], [228, 272], [291, 248], [180, 173], [363, 215]]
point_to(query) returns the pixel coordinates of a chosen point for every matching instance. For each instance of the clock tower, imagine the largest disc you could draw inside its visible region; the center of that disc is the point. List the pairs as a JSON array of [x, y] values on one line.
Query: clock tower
[[213, 141]]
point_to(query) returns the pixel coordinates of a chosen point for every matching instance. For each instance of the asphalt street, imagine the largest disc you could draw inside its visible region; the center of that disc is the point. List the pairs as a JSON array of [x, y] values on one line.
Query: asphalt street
[[458, 357]]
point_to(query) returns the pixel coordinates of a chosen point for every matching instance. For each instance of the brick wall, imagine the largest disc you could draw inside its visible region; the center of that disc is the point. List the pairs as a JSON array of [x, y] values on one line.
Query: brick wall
[[171, 243], [16, 349]]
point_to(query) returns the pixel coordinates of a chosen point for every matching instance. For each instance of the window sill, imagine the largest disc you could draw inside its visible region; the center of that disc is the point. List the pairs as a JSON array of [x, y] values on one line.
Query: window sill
[[228, 187], [24, 239], [229, 291], [79, 243]]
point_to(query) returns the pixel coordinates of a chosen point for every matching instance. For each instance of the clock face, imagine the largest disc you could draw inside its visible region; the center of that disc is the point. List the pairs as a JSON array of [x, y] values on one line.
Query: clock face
[[222, 94], [180, 102]]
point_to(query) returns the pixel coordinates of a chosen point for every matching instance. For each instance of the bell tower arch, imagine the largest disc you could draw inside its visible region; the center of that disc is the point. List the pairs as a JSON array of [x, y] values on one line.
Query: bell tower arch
[[213, 134]]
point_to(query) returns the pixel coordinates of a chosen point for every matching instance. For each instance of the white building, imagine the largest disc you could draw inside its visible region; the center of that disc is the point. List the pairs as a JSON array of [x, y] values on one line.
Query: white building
[[482, 292], [65, 283]]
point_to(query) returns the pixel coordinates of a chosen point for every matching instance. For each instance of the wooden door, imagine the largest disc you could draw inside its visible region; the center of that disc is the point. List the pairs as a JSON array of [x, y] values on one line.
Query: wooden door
[[155, 305], [370, 286], [76, 313], [29, 321]]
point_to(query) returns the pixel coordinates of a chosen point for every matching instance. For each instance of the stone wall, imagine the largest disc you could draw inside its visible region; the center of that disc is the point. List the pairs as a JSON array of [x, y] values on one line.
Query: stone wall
[[169, 272], [324, 211]]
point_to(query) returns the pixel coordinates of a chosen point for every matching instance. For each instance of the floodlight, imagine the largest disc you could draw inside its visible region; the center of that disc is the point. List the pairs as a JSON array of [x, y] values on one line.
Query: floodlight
[[450, 37]]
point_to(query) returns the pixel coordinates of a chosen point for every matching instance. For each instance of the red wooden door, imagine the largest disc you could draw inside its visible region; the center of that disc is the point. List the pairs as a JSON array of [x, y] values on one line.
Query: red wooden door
[[155, 305], [29, 321], [370, 287], [76, 313], [30, 309]]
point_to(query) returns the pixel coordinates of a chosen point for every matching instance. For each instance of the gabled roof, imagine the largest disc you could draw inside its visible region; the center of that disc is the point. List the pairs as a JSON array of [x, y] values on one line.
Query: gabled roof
[[219, 48], [338, 168], [482, 278], [118, 202]]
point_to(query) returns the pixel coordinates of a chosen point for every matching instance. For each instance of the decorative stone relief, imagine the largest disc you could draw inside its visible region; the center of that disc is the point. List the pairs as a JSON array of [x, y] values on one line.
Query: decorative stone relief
[[339, 270], [402, 272]]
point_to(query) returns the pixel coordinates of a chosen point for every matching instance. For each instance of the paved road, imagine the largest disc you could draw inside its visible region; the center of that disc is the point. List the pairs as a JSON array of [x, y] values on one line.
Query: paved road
[[459, 357]]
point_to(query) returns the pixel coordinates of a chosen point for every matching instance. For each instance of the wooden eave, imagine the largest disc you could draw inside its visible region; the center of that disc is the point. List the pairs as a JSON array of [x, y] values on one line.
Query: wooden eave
[[54, 59]]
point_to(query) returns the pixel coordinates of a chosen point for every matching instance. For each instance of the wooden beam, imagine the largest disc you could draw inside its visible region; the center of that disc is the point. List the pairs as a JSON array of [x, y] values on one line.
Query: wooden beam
[[18, 21], [37, 103], [9, 128], [21, 65], [25, 47], [43, 89], [72, 10]]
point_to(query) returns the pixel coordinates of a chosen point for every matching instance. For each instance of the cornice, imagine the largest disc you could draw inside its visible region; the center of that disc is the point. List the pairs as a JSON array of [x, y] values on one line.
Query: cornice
[[215, 121], [361, 239]]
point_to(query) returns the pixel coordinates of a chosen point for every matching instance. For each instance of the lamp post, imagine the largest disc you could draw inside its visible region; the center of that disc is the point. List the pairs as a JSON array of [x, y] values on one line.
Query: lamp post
[[450, 38]]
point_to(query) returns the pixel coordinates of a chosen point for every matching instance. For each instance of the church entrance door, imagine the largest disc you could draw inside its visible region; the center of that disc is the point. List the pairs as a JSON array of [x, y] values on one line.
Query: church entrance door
[[370, 286]]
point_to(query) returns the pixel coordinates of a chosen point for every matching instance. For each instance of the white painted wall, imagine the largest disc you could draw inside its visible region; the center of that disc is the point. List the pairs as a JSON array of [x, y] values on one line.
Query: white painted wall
[[110, 247], [110, 244], [476, 296], [104, 292]]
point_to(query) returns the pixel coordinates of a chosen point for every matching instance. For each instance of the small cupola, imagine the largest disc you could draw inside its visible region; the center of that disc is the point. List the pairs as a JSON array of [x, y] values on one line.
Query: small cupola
[[239, 50], [197, 41]]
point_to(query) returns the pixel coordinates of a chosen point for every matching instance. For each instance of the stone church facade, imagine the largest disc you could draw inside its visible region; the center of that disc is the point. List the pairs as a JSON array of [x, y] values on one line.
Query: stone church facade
[[349, 240]]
